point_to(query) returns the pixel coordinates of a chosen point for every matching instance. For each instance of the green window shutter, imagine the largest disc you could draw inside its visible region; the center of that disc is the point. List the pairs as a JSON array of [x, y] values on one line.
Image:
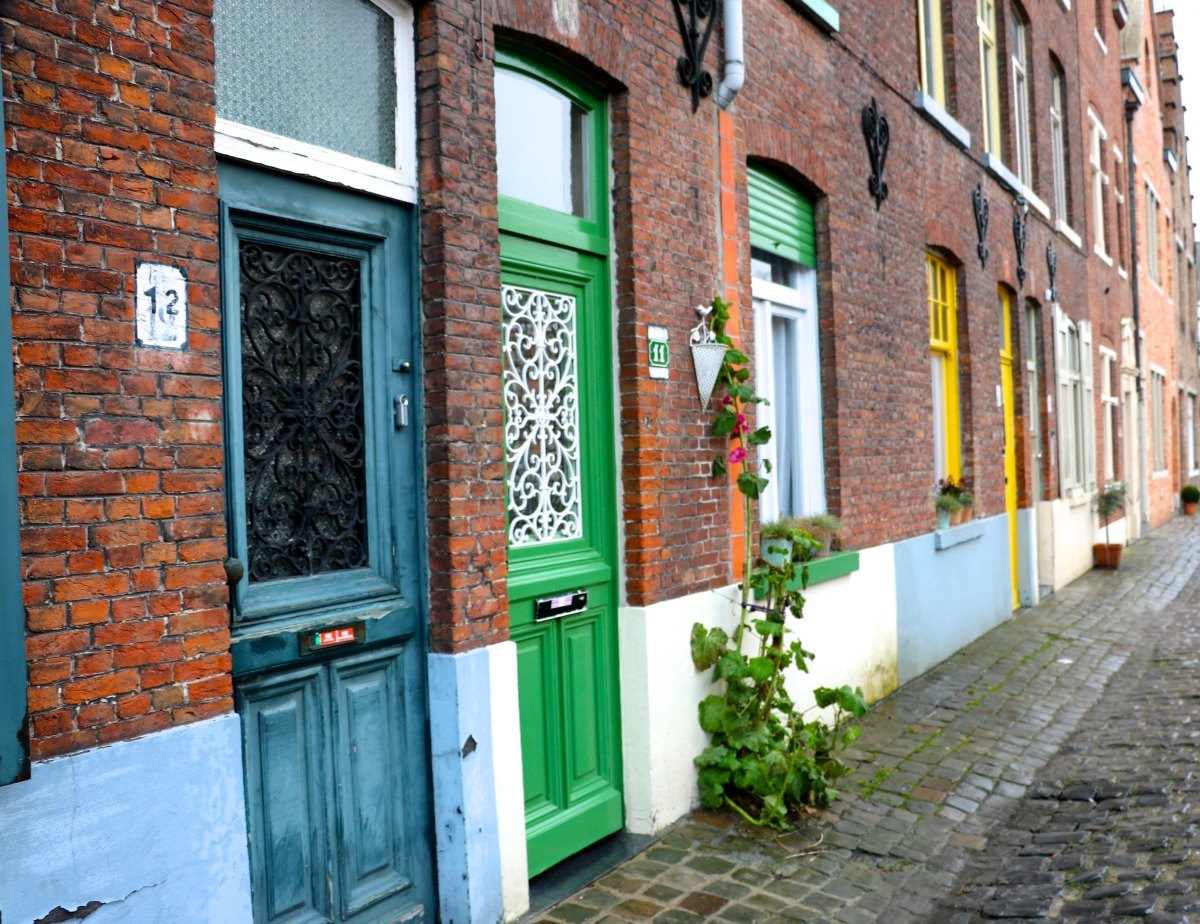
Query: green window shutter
[[781, 219]]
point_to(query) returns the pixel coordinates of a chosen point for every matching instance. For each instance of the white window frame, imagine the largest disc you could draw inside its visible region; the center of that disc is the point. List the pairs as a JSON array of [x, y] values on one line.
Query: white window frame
[[799, 305], [279, 152], [932, 50], [1158, 442], [1059, 145], [1190, 414], [986, 19], [1020, 69], [1097, 137], [1153, 250], [1109, 403], [1076, 423]]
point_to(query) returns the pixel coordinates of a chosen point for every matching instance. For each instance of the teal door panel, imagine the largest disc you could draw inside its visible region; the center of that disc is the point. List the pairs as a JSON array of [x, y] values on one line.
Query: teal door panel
[[370, 744], [283, 733], [325, 509]]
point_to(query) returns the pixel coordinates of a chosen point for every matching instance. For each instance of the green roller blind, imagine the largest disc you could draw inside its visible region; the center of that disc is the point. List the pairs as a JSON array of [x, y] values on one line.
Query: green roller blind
[[781, 219]]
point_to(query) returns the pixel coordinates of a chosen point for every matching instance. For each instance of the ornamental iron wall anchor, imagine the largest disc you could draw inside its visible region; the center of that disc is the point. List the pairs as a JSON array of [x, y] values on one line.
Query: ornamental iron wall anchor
[[1052, 266], [879, 137], [1020, 211], [691, 65], [980, 202]]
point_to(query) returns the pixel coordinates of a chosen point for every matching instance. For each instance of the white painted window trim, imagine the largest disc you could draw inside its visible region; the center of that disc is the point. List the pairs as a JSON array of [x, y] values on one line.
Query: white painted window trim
[[245, 143], [1100, 41], [1109, 371], [1098, 180], [1024, 130], [1158, 425], [798, 304], [1058, 146], [1193, 469], [1069, 233]]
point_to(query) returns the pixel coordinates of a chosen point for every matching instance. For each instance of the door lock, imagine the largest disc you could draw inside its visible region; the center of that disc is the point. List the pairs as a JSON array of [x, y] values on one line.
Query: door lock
[[400, 410]]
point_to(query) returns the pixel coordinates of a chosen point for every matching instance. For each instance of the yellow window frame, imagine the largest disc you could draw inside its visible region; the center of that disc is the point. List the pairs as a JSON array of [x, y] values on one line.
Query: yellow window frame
[[932, 49], [989, 72], [943, 340]]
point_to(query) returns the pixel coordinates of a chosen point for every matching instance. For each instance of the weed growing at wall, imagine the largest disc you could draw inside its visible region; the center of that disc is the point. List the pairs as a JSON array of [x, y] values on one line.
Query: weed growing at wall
[[765, 759]]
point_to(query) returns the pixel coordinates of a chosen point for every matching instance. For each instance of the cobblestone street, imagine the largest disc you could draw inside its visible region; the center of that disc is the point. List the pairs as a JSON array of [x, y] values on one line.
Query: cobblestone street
[[1044, 772]]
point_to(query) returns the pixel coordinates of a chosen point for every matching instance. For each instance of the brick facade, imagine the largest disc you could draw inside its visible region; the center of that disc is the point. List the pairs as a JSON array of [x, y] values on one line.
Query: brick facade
[[109, 115]]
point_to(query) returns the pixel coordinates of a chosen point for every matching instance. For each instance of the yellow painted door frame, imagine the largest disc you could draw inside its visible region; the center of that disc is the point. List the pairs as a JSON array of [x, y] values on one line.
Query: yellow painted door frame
[[1010, 435]]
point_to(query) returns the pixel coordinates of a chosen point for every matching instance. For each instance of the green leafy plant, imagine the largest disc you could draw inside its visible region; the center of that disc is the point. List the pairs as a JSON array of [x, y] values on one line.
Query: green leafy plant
[[1108, 501], [948, 502], [765, 760], [823, 526], [1190, 494]]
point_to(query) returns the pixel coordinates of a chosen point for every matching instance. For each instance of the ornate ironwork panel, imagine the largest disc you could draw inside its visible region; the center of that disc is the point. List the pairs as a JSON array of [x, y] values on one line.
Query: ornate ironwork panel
[[695, 43], [1020, 238], [878, 135], [302, 407], [541, 427], [1052, 268]]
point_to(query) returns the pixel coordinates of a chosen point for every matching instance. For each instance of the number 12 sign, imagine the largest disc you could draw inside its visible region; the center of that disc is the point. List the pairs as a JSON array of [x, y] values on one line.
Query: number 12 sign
[[161, 306]]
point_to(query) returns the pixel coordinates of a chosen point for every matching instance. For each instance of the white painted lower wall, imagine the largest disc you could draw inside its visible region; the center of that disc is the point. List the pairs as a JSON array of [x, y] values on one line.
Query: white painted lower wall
[[1066, 533], [1028, 588], [1116, 535], [510, 780], [849, 622], [154, 829]]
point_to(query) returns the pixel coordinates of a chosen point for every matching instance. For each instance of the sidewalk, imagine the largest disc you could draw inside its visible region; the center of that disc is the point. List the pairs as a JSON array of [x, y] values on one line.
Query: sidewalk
[[937, 819]]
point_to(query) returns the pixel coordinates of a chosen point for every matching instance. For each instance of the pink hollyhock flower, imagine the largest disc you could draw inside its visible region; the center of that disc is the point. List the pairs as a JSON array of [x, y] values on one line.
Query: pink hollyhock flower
[[727, 400], [737, 455], [741, 419]]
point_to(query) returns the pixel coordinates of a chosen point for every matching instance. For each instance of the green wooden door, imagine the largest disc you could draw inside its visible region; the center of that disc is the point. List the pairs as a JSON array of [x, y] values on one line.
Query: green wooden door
[[560, 453], [322, 416]]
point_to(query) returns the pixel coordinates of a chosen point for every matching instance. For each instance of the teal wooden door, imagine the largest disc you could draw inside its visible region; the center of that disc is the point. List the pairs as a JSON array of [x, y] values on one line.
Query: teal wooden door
[[322, 416], [560, 453]]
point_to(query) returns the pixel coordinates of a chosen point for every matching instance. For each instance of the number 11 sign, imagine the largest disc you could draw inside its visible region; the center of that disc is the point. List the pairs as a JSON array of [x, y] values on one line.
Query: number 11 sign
[[161, 306]]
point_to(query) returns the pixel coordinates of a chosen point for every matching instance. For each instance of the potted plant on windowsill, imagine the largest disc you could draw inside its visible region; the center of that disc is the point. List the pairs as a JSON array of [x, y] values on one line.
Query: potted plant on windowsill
[[826, 529], [967, 499], [948, 508], [777, 541], [1108, 502], [948, 487], [1190, 495]]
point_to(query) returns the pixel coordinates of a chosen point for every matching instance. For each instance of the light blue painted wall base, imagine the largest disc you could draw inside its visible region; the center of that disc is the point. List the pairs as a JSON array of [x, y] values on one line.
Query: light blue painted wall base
[[947, 598], [1027, 557], [154, 828], [464, 789]]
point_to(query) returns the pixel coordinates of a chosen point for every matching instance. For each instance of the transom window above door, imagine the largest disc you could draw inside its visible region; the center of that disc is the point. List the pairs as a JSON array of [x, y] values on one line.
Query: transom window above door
[[541, 144], [319, 87]]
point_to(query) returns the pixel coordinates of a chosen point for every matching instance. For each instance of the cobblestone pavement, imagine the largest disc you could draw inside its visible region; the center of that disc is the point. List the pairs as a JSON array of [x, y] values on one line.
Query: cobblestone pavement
[[1044, 772]]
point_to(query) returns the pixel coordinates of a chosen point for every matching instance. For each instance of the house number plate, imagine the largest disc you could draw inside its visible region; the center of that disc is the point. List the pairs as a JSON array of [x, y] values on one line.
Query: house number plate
[[562, 605], [313, 641], [160, 305]]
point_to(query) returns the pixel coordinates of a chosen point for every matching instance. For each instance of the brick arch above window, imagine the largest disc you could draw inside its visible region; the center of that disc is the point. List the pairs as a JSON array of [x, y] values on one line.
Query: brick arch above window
[[587, 44], [773, 144]]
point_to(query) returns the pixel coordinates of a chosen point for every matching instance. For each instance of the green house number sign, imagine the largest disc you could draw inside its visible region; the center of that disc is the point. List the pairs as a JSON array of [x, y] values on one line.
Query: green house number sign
[[660, 352]]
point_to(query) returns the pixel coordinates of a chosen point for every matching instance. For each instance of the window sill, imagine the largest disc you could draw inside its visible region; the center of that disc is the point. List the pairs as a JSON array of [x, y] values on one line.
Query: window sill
[[1102, 255], [1069, 233], [1035, 202], [820, 13], [940, 118], [820, 570], [995, 166], [1122, 273], [956, 535], [1077, 498], [1161, 474], [1100, 41]]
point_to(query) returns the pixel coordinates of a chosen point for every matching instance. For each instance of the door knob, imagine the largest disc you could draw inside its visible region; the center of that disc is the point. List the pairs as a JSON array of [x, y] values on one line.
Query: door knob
[[400, 410], [234, 570]]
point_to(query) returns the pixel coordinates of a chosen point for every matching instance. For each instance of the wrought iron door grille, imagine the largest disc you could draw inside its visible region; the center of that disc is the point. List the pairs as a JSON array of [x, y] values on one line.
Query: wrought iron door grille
[[302, 406]]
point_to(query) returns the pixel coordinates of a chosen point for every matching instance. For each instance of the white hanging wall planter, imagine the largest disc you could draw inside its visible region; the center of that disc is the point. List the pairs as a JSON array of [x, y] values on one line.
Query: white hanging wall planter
[[707, 355]]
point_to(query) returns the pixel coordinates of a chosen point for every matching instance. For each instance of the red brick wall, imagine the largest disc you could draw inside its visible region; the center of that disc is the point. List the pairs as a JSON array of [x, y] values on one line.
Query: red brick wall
[[109, 116]]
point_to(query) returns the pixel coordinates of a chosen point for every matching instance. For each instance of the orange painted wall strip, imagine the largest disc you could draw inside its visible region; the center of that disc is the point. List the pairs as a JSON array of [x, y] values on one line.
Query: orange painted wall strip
[[729, 272]]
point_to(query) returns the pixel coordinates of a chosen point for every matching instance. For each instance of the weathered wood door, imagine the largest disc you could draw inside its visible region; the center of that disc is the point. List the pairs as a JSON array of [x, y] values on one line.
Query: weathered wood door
[[322, 402], [560, 452]]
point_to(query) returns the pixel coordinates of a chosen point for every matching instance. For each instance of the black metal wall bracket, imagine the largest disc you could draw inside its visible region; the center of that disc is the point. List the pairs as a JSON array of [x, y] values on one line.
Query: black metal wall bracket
[[1052, 267], [1020, 211], [982, 208], [879, 137], [691, 66]]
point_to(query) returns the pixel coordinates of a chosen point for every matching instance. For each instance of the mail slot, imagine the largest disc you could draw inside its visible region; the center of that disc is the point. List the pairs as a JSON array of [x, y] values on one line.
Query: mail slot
[[562, 605], [314, 641]]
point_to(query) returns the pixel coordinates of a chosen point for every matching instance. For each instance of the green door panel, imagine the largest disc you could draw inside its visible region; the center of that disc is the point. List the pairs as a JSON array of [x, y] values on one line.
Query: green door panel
[[538, 704], [336, 759], [584, 690], [284, 734]]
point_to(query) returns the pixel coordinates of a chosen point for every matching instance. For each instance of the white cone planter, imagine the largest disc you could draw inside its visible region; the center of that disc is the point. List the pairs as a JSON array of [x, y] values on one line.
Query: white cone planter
[[707, 358]]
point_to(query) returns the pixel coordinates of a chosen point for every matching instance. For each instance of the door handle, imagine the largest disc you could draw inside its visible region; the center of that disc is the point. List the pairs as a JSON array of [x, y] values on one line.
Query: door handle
[[400, 410]]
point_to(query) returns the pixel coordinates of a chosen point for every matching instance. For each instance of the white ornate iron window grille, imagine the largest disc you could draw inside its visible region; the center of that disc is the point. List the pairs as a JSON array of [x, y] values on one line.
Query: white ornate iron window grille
[[541, 428]]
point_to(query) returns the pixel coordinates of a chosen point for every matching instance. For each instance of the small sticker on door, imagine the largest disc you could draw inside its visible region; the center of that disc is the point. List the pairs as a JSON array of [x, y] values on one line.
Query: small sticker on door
[[160, 306]]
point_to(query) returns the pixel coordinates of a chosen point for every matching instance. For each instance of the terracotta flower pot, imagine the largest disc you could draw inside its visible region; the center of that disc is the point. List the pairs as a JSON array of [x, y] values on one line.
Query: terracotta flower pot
[[1107, 556], [1189, 509], [968, 512], [956, 518]]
